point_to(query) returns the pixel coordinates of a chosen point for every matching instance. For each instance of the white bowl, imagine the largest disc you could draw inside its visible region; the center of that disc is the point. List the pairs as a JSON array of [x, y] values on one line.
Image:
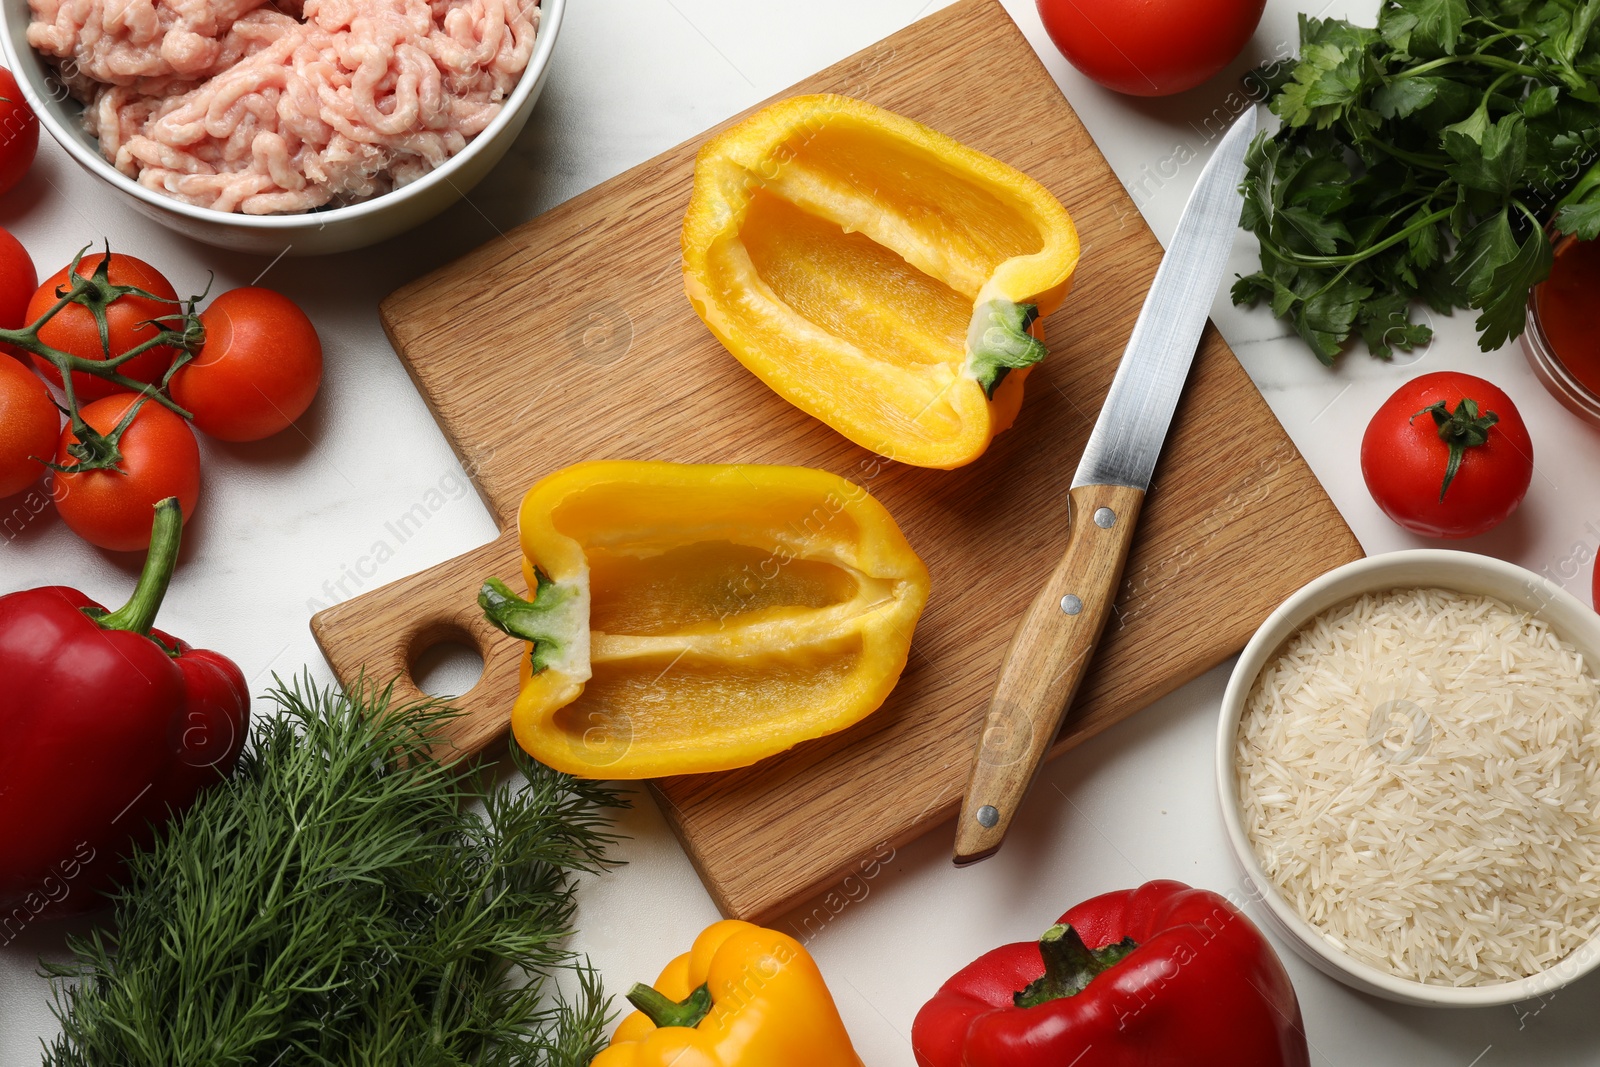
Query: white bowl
[[307, 233], [1465, 572]]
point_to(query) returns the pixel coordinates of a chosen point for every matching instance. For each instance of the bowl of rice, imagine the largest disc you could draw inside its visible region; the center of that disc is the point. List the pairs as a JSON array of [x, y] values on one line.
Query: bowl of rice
[[299, 127], [1408, 763]]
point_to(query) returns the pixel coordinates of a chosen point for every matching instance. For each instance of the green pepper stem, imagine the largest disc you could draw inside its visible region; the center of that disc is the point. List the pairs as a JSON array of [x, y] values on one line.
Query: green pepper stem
[[138, 615], [546, 622], [998, 342], [664, 1011], [1069, 966]]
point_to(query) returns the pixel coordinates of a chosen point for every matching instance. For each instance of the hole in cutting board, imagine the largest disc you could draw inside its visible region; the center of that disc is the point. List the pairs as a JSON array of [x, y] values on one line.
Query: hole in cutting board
[[446, 663]]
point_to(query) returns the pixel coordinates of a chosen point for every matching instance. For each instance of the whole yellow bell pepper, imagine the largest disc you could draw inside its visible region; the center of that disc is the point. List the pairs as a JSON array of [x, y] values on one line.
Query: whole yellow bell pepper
[[691, 618], [876, 274], [743, 996]]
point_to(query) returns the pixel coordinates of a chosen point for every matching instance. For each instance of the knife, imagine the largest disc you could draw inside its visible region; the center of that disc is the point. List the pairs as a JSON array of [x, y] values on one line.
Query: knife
[[1055, 640]]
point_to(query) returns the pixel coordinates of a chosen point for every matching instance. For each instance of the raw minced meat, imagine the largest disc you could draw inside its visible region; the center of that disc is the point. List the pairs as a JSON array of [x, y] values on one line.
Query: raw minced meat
[[241, 106]]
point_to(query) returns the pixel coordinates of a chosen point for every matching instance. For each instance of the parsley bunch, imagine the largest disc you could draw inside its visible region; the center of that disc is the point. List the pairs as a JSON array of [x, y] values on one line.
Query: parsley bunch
[[345, 900], [1421, 160]]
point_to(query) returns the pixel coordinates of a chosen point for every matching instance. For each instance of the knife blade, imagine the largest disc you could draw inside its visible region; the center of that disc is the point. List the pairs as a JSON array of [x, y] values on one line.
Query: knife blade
[[1056, 638]]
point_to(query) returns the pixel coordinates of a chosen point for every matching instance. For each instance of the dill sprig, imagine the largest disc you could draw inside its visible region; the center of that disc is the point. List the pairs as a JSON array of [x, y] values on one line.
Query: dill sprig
[[343, 900]]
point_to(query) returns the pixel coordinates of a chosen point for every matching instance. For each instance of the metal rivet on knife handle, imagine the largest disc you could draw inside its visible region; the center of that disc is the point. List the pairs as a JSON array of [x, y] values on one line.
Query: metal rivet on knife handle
[[988, 815], [1053, 643], [1105, 518]]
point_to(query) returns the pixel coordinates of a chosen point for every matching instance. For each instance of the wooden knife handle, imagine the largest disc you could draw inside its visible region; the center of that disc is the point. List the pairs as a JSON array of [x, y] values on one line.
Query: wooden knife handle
[[1047, 658]]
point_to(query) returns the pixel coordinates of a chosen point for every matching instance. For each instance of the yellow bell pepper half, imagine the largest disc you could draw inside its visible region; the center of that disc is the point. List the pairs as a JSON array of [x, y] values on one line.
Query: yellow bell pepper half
[[743, 996], [878, 275], [691, 618]]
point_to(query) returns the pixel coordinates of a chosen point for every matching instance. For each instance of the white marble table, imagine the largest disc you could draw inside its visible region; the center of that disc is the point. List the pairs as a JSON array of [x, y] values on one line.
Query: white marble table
[[288, 525]]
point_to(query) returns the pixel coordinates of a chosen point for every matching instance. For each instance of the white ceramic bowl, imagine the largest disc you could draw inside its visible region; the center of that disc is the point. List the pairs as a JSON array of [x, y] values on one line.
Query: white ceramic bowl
[[309, 233], [1464, 572]]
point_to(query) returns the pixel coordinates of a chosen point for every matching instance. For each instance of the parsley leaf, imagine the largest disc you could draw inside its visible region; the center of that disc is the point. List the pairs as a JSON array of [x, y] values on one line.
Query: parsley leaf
[[1504, 300], [1397, 99], [1582, 220], [1435, 25], [1419, 161], [1388, 325], [1579, 212], [1493, 164]]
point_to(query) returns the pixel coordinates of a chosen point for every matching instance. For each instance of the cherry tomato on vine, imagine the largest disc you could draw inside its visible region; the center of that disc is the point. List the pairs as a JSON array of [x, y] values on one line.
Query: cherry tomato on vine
[[1150, 47], [1447, 455], [130, 318], [19, 132], [258, 370], [29, 423], [18, 280], [159, 458]]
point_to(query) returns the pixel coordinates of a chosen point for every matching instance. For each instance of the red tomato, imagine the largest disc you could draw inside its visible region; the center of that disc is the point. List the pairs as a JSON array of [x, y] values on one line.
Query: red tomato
[[1150, 47], [19, 132], [29, 423], [159, 459], [258, 370], [74, 330], [18, 280], [1405, 457]]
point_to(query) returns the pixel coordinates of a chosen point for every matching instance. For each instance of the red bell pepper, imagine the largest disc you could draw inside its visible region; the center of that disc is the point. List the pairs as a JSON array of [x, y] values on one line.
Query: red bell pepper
[[110, 727], [1159, 976]]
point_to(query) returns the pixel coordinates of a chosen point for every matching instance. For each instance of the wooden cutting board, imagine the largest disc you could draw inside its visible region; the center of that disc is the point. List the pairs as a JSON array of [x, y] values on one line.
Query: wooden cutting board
[[571, 339]]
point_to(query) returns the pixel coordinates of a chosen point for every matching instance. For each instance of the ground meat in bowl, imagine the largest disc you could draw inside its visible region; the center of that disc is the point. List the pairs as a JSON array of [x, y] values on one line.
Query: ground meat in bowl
[[242, 106]]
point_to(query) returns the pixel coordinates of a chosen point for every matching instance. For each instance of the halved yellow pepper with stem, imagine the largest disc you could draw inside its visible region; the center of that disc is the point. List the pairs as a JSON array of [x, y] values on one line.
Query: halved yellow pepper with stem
[[875, 273], [701, 617]]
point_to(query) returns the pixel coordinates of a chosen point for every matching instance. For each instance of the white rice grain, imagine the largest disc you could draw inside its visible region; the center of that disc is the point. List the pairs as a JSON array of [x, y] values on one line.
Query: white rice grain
[[1419, 772]]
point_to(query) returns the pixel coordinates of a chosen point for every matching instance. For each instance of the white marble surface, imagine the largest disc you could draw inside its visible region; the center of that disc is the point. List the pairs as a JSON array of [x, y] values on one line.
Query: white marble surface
[[289, 524]]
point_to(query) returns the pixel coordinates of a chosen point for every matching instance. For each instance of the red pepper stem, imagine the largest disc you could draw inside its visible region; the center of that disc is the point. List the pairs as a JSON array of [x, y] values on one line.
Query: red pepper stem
[[138, 615], [1069, 966], [664, 1011]]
